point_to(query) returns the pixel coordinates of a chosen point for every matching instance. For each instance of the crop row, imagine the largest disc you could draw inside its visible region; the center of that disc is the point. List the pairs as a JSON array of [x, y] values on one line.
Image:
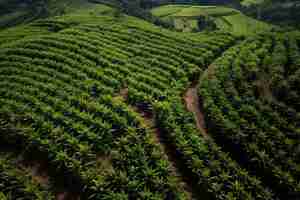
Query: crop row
[[213, 172], [231, 101]]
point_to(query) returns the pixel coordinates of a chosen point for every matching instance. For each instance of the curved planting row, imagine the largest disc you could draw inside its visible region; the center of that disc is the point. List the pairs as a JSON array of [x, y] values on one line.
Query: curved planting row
[[251, 107], [58, 91], [213, 172]]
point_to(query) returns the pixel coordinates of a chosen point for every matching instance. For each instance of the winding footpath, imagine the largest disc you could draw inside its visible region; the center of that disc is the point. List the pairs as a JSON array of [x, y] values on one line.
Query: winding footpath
[[193, 102]]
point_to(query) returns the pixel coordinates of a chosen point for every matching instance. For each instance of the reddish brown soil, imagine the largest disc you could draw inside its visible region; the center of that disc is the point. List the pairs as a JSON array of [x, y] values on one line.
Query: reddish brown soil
[[61, 196], [66, 196], [124, 93], [193, 104], [37, 170], [38, 173], [263, 87]]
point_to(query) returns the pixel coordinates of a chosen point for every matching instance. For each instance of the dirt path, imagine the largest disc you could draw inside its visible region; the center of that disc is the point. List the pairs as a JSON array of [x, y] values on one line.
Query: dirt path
[[193, 104], [168, 151]]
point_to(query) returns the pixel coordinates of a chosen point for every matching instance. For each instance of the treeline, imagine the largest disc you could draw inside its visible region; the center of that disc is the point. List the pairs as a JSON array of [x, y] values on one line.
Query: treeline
[[23, 11], [283, 13], [138, 8]]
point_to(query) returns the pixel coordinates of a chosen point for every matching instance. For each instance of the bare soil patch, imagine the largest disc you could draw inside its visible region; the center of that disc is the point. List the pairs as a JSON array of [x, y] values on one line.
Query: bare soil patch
[[193, 104]]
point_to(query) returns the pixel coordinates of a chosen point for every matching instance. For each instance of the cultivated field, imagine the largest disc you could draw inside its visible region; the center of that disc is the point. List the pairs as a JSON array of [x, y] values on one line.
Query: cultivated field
[[99, 105], [187, 18]]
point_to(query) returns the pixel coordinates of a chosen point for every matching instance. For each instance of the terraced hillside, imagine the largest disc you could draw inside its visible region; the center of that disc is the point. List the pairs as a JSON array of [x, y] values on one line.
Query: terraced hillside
[[189, 18], [251, 102], [95, 104]]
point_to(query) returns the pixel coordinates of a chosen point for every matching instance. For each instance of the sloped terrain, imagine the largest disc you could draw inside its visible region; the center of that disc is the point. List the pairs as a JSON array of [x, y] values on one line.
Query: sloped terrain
[[282, 13], [17, 12], [58, 88], [251, 104], [197, 18], [96, 104]]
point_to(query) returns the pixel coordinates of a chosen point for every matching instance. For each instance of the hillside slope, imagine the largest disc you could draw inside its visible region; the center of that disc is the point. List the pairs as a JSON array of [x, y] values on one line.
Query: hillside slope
[[283, 13], [197, 18], [15, 12], [95, 104]]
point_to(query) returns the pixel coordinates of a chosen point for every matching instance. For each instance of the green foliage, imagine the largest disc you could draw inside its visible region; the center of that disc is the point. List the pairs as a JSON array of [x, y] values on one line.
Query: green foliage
[[247, 101], [59, 91], [224, 18], [87, 91]]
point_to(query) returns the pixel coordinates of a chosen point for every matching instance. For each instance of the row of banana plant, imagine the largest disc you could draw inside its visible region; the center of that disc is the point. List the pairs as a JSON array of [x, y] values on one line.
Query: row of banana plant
[[213, 173], [84, 156], [285, 89], [175, 53], [58, 88], [62, 125], [228, 101]]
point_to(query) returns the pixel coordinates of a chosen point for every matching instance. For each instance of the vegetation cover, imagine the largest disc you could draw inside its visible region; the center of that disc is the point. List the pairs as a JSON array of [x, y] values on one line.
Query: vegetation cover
[[97, 104], [194, 18], [252, 105], [283, 13]]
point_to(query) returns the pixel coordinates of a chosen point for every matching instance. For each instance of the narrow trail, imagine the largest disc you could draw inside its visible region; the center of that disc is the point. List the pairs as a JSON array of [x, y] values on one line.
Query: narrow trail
[[167, 149], [194, 105]]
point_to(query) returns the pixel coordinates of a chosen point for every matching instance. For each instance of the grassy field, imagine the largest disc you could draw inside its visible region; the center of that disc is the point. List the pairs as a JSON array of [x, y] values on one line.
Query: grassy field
[[251, 2], [164, 11], [227, 19]]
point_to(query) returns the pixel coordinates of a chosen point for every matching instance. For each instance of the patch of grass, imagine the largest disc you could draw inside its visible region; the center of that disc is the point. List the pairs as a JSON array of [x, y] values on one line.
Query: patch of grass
[[244, 25], [223, 24], [190, 12], [251, 2], [167, 10], [205, 10], [185, 18]]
